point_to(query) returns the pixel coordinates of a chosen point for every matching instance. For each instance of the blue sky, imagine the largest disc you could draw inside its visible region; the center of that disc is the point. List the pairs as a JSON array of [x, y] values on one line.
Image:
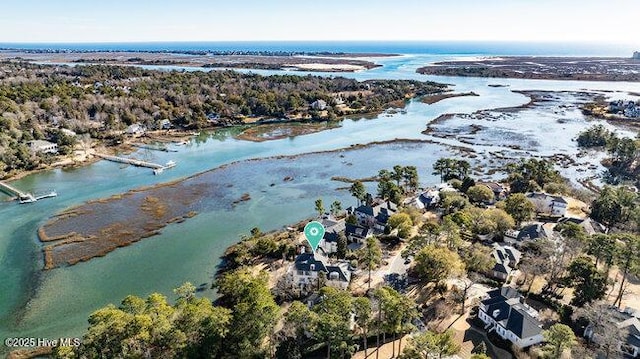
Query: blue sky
[[237, 20]]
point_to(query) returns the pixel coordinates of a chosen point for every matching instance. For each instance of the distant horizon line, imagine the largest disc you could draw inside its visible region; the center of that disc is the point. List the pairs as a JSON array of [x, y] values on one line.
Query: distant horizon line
[[557, 42]]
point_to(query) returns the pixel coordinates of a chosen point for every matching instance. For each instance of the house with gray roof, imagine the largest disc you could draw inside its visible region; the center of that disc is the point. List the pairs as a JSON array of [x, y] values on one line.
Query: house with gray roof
[[548, 204], [304, 273], [532, 232], [589, 225], [629, 325], [376, 214], [506, 258], [135, 129], [505, 311], [319, 105], [499, 191], [333, 230]]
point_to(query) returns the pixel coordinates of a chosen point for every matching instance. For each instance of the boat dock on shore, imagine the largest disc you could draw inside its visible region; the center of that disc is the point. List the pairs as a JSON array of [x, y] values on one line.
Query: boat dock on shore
[[157, 168], [24, 197]]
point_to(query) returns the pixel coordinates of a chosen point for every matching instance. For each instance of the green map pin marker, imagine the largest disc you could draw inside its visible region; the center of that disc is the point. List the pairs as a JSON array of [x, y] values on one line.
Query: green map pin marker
[[314, 231]]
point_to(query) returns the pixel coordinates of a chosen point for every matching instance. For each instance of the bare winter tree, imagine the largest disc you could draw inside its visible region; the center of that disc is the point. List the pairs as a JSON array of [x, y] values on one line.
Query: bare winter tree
[[602, 330]]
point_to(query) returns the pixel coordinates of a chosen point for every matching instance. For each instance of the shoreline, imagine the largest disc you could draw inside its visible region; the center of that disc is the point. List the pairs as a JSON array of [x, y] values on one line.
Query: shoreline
[[431, 99], [293, 61], [610, 69], [250, 133], [157, 211]]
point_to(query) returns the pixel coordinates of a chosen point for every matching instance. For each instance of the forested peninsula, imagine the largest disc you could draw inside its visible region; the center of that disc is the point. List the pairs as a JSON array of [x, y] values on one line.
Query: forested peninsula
[[96, 105]]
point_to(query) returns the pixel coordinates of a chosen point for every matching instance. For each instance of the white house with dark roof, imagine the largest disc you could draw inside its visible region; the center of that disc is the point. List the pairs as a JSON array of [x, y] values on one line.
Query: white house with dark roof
[[304, 273], [429, 198], [357, 233], [504, 311], [548, 204]]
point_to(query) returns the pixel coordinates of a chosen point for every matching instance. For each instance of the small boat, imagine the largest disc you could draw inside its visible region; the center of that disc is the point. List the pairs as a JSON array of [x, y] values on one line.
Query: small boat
[[170, 164]]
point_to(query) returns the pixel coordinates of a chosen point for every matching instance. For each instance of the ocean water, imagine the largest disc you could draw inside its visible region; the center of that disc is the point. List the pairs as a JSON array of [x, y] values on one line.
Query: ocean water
[[396, 47], [56, 303]]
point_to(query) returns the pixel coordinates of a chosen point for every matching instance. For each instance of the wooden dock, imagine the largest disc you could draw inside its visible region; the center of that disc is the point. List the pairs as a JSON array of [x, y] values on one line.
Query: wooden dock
[[157, 168], [11, 191], [24, 197]]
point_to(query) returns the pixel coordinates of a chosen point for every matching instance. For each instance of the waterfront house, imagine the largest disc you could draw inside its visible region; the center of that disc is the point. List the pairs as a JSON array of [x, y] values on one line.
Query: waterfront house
[[135, 129], [548, 204], [415, 202], [333, 230], [430, 198], [41, 146], [164, 124], [319, 105], [213, 118], [376, 214], [498, 189], [505, 311], [305, 273], [506, 258]]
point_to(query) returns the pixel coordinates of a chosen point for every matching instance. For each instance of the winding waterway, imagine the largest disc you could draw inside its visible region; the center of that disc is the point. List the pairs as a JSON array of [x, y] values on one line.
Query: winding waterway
[[56, 303]]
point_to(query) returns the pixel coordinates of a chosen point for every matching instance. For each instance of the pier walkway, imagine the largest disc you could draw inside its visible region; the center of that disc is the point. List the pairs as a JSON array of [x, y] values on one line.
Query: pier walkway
[[23, 197], [157, 168]]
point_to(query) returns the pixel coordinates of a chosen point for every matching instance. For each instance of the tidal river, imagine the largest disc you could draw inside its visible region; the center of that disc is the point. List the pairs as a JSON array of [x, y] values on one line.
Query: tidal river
[[56, 303]]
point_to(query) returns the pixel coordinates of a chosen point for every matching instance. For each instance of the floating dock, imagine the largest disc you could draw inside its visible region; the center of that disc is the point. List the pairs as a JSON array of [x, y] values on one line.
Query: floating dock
[[157, 168]]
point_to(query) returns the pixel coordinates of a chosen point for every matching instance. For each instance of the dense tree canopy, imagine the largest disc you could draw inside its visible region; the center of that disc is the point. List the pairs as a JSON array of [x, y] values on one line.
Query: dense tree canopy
[[531, 175], [435, 264], [559, 338], [102, 100], [192, 328], [519, 207], [254, 312]]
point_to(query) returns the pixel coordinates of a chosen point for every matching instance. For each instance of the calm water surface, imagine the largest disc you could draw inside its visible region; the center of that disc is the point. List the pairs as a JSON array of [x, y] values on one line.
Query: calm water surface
[[56, 303]]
